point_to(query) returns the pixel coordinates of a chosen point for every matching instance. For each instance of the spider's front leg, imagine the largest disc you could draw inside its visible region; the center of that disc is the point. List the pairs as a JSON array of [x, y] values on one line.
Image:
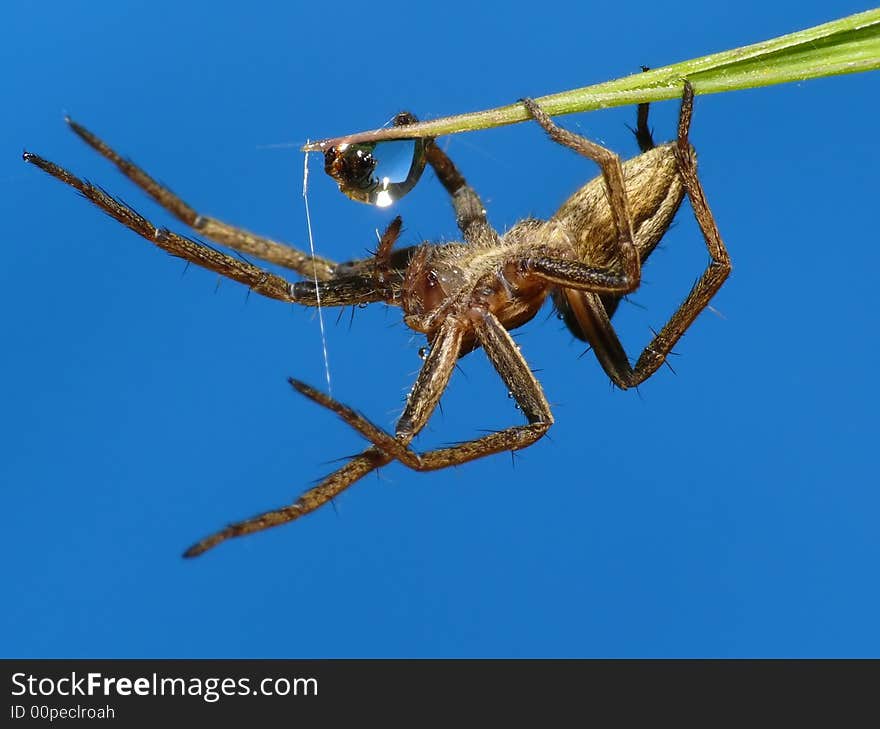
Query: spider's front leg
[[509, 363], [314, 267], [257, 279]]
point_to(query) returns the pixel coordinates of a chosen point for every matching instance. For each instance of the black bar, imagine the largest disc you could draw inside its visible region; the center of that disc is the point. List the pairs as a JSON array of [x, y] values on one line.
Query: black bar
[[330, 693]]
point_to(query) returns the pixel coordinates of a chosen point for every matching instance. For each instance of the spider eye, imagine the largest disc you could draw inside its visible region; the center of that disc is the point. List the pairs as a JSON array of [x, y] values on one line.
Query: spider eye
[[377, 173]]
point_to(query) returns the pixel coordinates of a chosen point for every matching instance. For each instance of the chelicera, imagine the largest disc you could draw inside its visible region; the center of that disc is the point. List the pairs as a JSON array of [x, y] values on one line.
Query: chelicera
[[468, 294]]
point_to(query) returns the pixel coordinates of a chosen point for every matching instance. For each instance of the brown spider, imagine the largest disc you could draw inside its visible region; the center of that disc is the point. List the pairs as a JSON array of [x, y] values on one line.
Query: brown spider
[[468, 294]]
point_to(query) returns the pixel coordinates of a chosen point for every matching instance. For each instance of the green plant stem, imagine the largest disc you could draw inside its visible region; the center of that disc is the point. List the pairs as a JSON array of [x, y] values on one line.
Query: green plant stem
[[847, 45]]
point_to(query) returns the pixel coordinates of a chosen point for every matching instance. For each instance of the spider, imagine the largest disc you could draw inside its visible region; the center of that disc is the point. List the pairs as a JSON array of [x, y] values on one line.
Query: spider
[[468, 294]]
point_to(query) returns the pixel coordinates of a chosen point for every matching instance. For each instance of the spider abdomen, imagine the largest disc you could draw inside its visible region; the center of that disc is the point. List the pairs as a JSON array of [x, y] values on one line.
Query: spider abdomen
[[654, 192]]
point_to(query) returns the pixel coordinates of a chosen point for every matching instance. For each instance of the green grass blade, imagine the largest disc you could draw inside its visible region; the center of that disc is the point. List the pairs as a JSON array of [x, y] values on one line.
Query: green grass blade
[[847, 45]]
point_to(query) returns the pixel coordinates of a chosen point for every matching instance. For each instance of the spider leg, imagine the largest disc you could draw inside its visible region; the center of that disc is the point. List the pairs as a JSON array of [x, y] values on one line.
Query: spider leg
[[343, 290], [469, 211], [386, 245], [259, 280], [593, 321], [432, 380], [329, 488], [574, 274], [719, 266], [470, 214], [510, 364], [644, 137], [216, 230], [592, 316], [612, 172]]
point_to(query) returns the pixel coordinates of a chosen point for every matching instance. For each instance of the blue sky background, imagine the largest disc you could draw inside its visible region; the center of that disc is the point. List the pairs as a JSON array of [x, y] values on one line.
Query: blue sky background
[[730, 510]]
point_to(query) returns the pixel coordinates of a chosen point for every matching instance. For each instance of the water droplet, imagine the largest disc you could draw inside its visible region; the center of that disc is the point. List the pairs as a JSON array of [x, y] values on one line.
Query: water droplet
[[363, 305], [423, 352], [510, 395], [377, 173]]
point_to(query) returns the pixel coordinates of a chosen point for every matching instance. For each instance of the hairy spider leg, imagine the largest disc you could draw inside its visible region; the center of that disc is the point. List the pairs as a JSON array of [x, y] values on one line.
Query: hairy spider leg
[[257, 279]]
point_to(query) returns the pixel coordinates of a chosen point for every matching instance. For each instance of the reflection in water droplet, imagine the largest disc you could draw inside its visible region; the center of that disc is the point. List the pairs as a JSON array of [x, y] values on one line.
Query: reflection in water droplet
[[384, 199], [378, 173]]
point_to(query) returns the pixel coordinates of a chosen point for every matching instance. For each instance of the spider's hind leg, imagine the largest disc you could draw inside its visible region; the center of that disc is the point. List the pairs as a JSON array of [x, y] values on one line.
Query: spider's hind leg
[[593, 319], [719, 266]]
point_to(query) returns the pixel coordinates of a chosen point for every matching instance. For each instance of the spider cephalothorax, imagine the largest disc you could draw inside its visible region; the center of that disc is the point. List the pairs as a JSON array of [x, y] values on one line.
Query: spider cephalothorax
[[466, 281], [467, 294]]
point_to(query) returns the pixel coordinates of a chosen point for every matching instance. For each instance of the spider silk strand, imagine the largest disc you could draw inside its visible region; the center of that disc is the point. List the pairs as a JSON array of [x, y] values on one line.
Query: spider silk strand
[[305, 194]]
